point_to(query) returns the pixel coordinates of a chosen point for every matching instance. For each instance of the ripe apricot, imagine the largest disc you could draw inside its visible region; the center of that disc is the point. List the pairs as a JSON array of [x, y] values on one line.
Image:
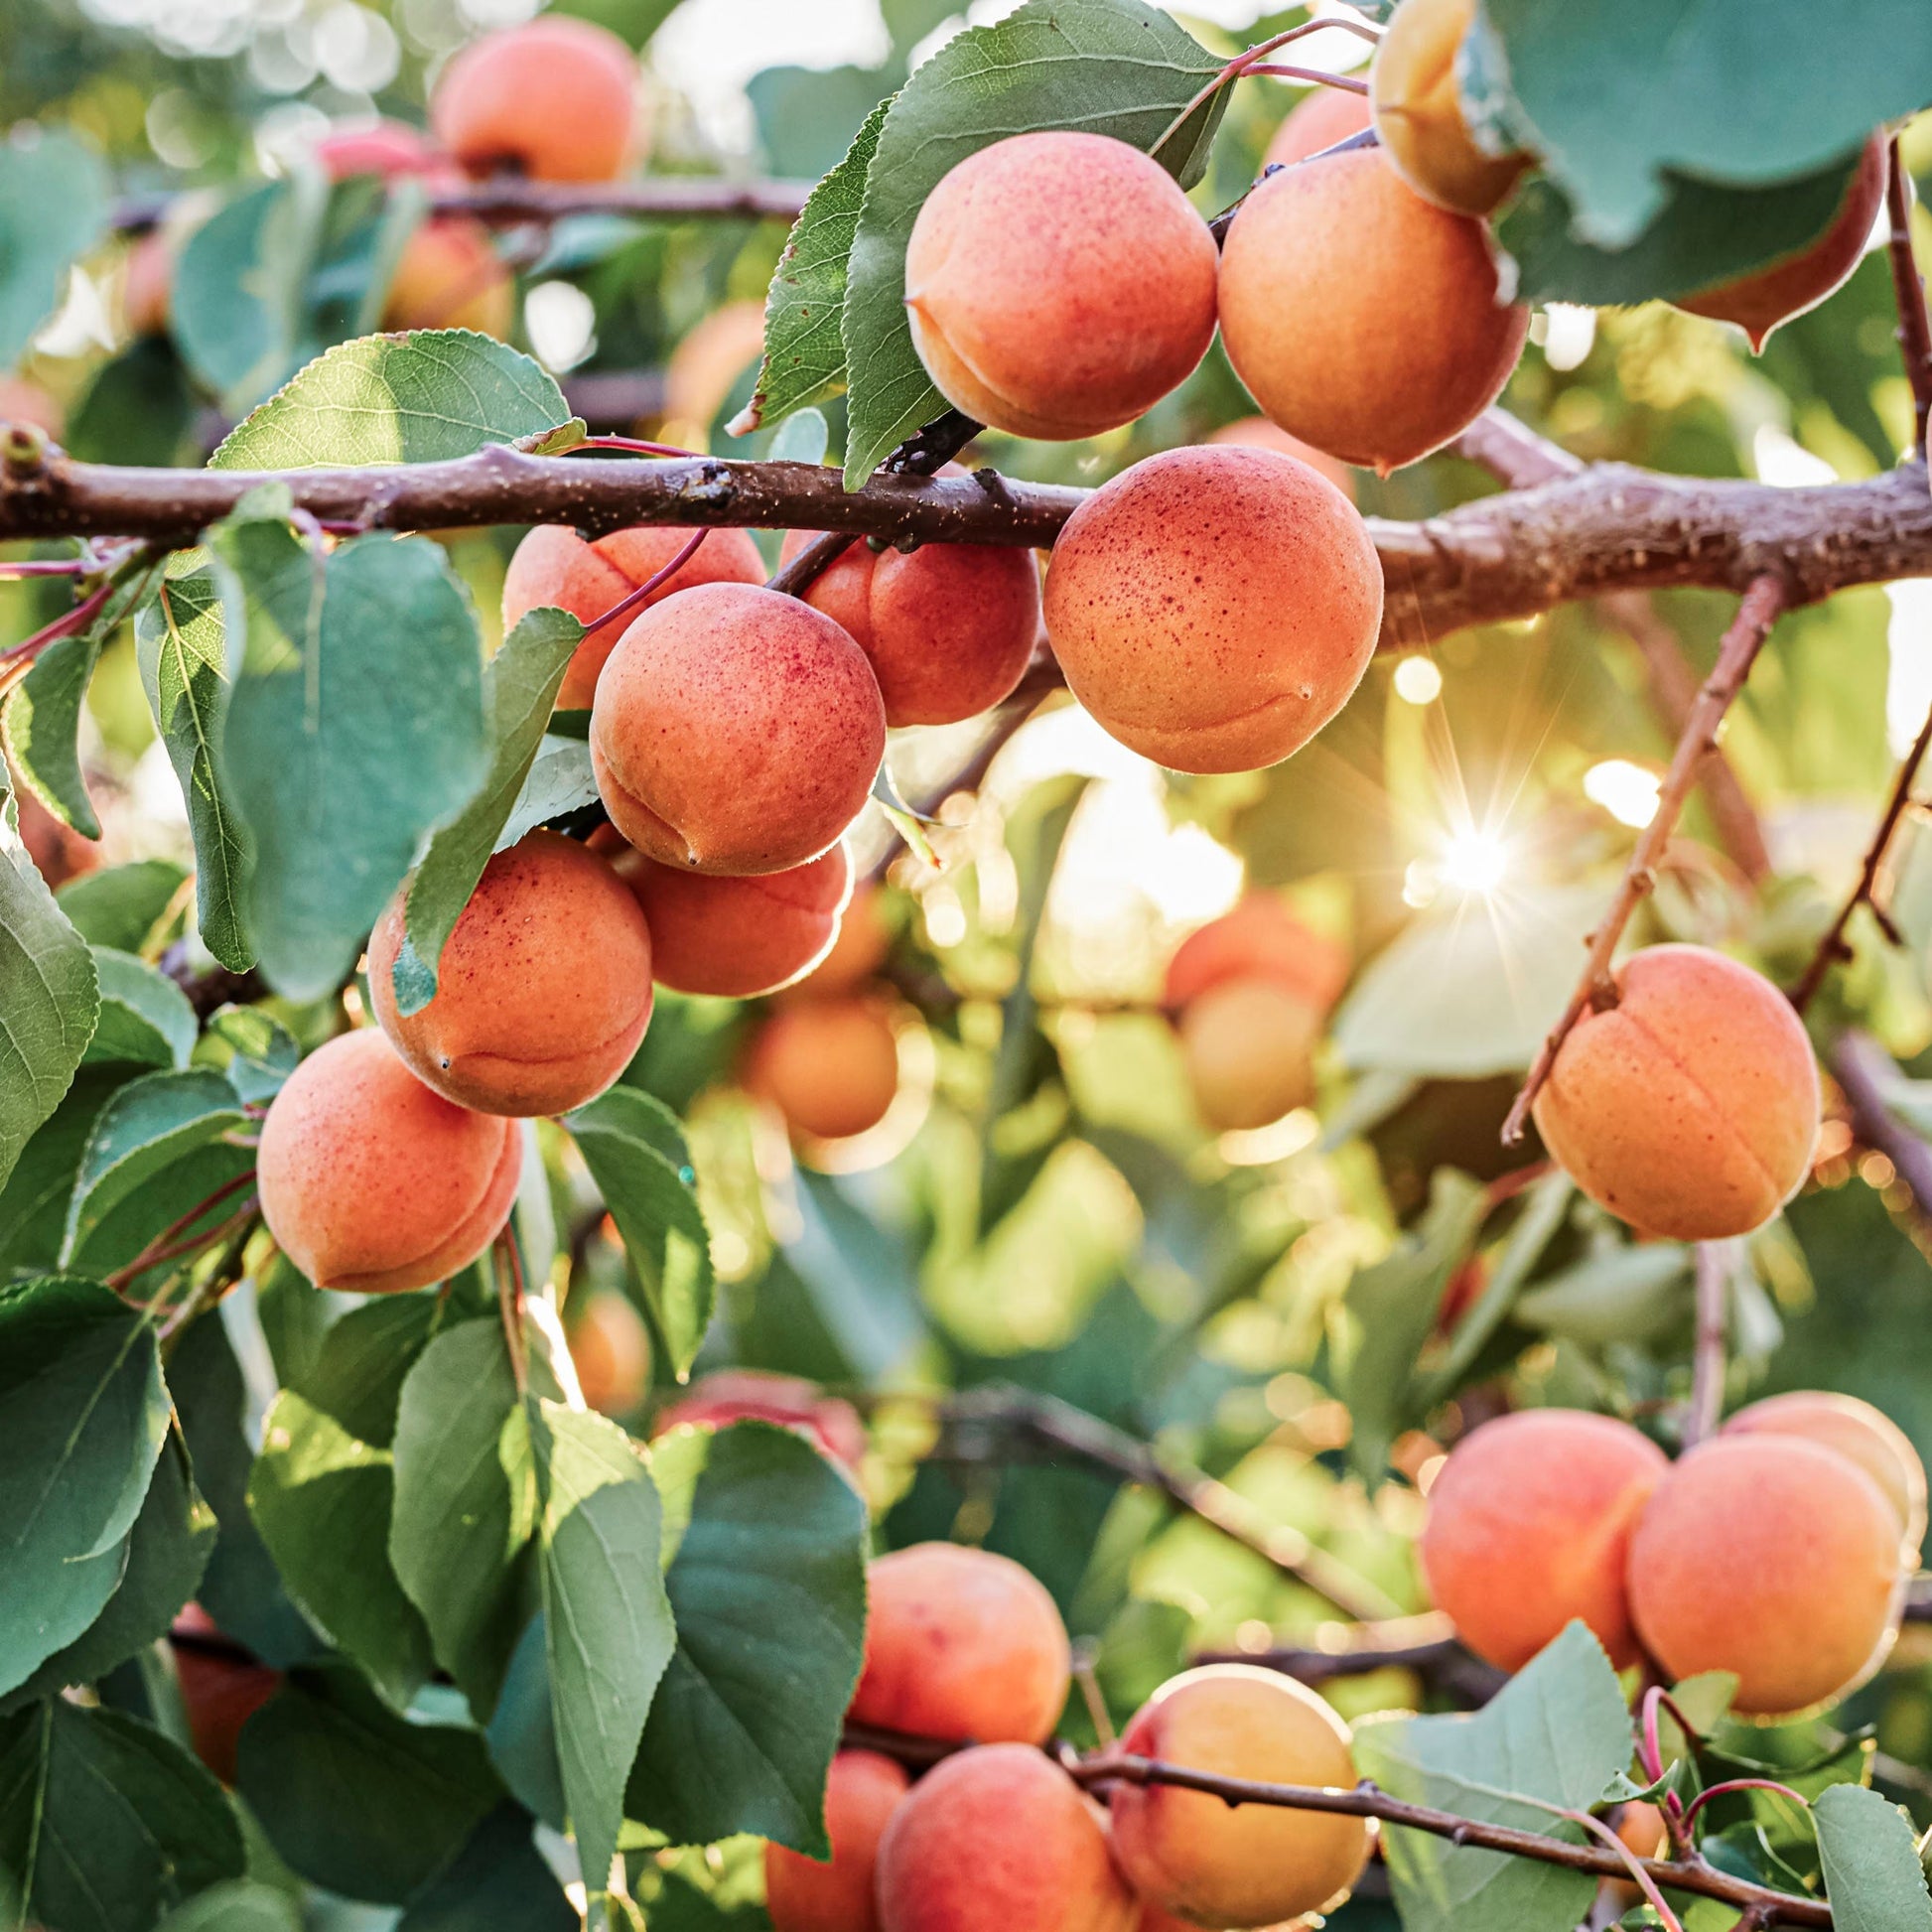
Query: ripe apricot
[[948, 627], [994, 1839], [862, 1791], [555, 99], [1258, 433], [1321, 118], [389, 149], [735, 730], [1858, 1432], [1527, 1523], [1248, 1046], [221, 1688], [1690, 1108], [1771, 1557], [830, 1066], [1058, 285], [555, 566], [737, 938], [1215, 608], [1260, 938], [1362, 318], [611, 1350], [27, 402], [543, 990], [731, 1395], [1418, 110], [1769, 297], [704, 366], [370, 1180], [961, 1643], [1220, 1864], [449, 276], [148, 285], [859, 949]]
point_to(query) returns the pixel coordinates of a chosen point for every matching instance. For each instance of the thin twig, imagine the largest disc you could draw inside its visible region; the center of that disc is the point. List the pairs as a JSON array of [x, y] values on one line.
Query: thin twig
[[648, 588], [169, 1243], [1244, 63], [811, 563], [1908, 291], [1713, 1266], [1865, 1071], [510, 1303]]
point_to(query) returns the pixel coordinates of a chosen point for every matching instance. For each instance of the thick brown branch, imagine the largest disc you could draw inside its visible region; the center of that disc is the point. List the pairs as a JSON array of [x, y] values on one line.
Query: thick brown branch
[[1908, 289], [1513, 453]]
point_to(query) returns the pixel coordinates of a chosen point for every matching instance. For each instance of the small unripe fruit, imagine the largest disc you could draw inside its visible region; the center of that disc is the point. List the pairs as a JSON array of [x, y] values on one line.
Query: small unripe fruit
[[830, 1066], [1527, 1523], [1690, 1108], [1320, 119], [220, 1689], [372, 1181], [1215, 608], [1363, 319], [961, 1643], [999, 1839], [735, 730], [1419, 111], [731, 1395], [1058, 285], [1218, 1865], [544, 988], [1261, 938], [862, 1791], [1248, 1046], [1258, 433], [555, 99], [1775, 1559], [611, 1350]]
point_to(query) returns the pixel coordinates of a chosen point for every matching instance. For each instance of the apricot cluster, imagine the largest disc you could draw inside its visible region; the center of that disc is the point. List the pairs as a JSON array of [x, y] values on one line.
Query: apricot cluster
[[1777, 1549]]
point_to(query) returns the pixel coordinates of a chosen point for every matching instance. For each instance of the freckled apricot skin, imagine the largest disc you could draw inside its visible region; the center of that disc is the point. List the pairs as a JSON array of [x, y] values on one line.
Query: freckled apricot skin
[[1690, 1107], [372, 1181], [543, 991], [1058, 285], [1248, 1047], [830, 1066], [996, 1840], [219, 1692], [1396, 342], [1771, 1557], [1529, 1522], [555, 566], [862, 1791], [961, 1643], [736, 731], [731, 1395], [1320, 120], [1215, 608], [1260, 938], [611, 1353], [1215, 1865], [555, 99], [1764, 301], [1258, 433]]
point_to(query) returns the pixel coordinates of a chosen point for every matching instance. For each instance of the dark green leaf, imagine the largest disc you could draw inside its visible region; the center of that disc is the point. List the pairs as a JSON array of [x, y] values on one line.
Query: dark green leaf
[[1873, 1874], [497, 1883], [41, 722], [53, 205], [636, 20], [253, 1049], [241, 1905], [139, 409], [34, 1203], [120, 905], [145, 1017]]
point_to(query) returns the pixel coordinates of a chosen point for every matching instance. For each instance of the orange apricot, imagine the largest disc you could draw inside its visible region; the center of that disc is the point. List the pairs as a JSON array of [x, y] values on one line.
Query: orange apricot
[[611, 1350], [1058, 285], [555, 566], [1322, 117], [555, 99], [1642, 1827], [1260, 938], [1215, 608], [735, 730], [449, 276], [1248, 1047], [858, 951], [862, 1791], [1771, 1557], [730, 1395], [372, 1181], [148, 284], [1690, 1108], [1418, 110], [994, 1839], [221, 1688], [1258, 433], [1362, 318], [27, 402], [1769, 297], [705, 367], [543, 991], [830, 1066], [1527, 1523], [961, 1643], [1219, 1865]]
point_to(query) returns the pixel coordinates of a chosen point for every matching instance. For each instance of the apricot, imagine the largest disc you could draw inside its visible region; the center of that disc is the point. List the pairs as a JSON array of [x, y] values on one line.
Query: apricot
[[1690, 1107], [1258, 433], [1260, 938], [555, 566], [611, 1350], [1220, 1864], [948, 628], [1215, 608], [859, 949], [830, 1066], [449, 276], [555, 99], [862, 1791], [1058, 285], [1859, 1433], [1248, 1047], [148, 285], [543, 991], [1642, 1827], [1321, 118], [705, 367], [221, 1688], [372, 1181], [27, 402], [735, 730], [1527, 1523], [1771, 1557], [1768, 297], [961, 1643], [731, 1395], [1418, 110], [1362, 318], [996, 1840], [389, 149]]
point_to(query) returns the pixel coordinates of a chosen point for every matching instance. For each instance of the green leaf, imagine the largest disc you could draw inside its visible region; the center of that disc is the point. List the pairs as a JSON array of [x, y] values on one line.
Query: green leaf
[[635, 20], [1107, 66], [144, 1016], [81, 1388], [769, 1589], [354, 727], [521, 685], [39, 724], [559, 781], [497, 1883], [120, 905], [34, 1203], [634, 1150], [253, 1049], [105, 1821], [1622, 1294], [139, 408], [53, 208], [240, 1905], [1873, 1874]]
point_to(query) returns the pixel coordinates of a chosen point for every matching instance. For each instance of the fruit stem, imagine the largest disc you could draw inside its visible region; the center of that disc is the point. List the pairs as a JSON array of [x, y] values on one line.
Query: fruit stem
[[655, 582], [1244, 62]]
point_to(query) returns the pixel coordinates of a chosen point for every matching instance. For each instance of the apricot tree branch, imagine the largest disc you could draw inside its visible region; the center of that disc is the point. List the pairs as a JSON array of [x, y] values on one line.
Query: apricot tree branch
[[1765, 598], [1908, 289], [1712, 1269], [1513, 453], [1865, 1072]]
